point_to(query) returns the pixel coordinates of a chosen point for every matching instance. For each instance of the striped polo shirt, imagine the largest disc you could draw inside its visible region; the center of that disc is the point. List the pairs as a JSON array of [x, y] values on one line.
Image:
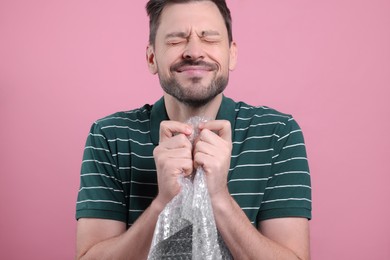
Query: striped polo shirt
[[268, 177]]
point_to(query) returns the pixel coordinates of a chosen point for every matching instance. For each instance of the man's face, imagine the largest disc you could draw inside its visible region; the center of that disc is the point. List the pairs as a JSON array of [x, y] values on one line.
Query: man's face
[[191, 53]]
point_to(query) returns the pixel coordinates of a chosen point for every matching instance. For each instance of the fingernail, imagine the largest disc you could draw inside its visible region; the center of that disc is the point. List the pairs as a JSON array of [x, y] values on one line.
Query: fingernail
[[188, 130]]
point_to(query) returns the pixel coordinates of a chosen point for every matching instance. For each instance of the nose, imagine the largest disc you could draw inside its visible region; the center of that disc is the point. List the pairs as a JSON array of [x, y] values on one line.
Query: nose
[[194, 50]]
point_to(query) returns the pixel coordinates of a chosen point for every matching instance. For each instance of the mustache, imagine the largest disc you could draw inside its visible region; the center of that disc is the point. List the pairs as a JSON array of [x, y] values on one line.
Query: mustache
[[177, 66]]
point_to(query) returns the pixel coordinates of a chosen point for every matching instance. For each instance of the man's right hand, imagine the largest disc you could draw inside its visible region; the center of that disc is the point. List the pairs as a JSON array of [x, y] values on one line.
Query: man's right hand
[[173, 157], [108, 239]]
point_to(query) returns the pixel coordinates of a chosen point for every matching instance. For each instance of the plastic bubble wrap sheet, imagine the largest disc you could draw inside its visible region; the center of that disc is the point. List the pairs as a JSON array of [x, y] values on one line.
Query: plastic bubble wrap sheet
[[186, 227]]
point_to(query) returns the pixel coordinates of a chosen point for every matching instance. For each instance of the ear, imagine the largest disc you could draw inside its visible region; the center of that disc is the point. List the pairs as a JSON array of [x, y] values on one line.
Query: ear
[[151, 59], [233, 56]]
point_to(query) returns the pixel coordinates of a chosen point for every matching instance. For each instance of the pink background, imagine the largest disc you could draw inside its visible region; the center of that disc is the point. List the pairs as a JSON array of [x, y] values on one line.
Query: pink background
[[66, 63]]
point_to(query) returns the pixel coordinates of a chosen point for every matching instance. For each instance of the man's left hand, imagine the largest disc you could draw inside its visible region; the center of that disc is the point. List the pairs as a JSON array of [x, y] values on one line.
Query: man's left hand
[[212, 152]]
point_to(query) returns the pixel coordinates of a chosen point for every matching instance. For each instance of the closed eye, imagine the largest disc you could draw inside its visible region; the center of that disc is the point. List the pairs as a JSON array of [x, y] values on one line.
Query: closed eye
[[212, 39], [175, 38], [175, 41]]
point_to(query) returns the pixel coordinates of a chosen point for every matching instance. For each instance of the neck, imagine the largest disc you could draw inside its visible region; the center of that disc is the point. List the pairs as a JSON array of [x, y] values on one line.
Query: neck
[[178, 111]]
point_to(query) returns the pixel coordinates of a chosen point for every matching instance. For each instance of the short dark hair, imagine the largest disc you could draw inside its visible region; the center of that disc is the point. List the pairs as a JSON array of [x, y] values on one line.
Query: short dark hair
[[154, 9]]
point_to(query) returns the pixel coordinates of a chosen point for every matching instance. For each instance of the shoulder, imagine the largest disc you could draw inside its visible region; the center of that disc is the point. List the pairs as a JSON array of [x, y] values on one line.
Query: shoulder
[[121, 122], [126, 117], [267, 113], [261, 116]]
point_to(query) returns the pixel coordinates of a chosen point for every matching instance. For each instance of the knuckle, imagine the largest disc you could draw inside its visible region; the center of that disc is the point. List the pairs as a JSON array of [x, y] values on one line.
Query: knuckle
[[181, 138], [203, 134], [184, 141], [163, 126], [164, 123], [155, 152]]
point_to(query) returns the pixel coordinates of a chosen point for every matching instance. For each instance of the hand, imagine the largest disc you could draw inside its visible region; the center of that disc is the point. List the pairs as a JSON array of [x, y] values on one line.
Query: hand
[[173, 157], [212, 151]]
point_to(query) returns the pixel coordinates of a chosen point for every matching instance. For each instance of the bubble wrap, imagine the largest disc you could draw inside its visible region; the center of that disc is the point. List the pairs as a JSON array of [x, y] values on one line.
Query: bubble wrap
[[186, 227]]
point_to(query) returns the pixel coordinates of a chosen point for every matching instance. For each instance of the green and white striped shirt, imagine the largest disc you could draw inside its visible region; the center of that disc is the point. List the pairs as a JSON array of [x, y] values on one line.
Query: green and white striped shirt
[[268, 177]]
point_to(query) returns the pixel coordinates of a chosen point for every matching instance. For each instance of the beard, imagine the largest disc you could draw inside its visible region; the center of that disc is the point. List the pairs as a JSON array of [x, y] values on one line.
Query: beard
[[196, 95]]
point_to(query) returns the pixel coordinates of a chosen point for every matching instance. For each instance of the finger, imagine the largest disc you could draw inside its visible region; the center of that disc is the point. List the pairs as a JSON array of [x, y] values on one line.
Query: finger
[[211, 137], [181, 153], [188, 169], [183, 166], [200, 160], [170, 128], [176, 142], [221, 127], [205, 147]]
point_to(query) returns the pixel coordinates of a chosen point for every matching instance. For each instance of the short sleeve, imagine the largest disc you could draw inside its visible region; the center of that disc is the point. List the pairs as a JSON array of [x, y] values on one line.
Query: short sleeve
[[101, 192], [288, 191]]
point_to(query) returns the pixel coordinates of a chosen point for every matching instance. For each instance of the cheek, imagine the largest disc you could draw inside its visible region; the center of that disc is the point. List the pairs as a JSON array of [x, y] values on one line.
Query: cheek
[[162, 65], [223, 63], [166, 59], [221, 57]]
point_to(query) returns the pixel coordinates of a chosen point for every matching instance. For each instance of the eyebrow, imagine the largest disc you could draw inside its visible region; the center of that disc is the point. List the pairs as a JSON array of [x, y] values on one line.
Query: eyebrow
[[176, 34], [209, 33]]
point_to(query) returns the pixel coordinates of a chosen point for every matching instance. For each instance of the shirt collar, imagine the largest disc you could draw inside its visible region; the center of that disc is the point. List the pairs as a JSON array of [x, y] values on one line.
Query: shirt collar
[[159, 113]]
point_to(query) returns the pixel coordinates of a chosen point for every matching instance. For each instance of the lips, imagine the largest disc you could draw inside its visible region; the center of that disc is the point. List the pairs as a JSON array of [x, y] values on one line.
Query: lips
[[194, 68], [191, 66]]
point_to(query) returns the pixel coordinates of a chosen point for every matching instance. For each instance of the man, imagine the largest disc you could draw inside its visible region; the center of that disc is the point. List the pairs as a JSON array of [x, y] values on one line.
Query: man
[[254, 157]]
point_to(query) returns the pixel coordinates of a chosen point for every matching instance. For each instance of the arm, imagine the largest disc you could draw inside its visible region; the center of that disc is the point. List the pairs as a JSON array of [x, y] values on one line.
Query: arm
[[284, 238], [108, 239]]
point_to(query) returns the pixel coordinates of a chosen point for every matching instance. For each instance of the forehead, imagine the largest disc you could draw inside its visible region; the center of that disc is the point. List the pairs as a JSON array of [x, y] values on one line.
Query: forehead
[[199, 15]]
